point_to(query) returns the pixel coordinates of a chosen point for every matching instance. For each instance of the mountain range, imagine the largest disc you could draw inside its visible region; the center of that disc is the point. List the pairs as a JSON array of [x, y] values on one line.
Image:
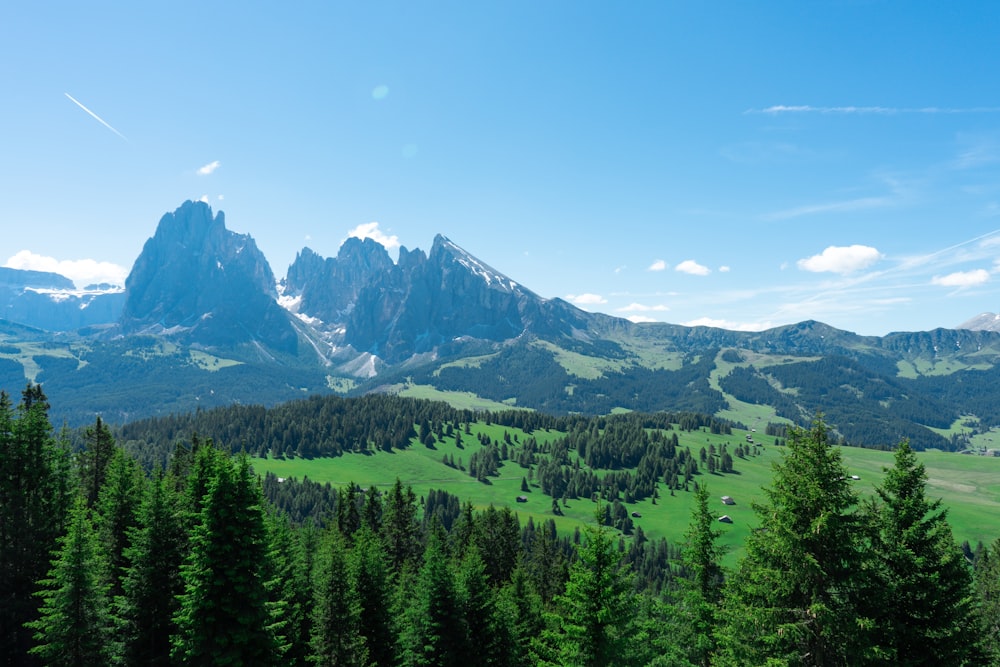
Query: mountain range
[[202, 321]]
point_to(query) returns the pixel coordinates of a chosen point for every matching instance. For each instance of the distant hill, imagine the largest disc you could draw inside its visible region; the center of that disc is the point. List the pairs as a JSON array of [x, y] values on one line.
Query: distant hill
[[203, 321]]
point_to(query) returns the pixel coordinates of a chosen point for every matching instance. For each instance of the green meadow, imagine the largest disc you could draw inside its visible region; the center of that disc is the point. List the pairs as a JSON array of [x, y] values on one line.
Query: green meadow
[[969, 486]]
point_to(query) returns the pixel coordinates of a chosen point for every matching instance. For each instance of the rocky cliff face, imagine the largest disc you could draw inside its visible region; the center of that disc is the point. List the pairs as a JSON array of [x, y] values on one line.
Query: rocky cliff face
[[203, 283], [328, 288], [421, 302]]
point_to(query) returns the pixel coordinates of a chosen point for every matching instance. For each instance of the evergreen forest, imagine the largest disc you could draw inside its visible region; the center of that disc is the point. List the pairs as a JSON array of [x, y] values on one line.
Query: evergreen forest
[[157, 543]]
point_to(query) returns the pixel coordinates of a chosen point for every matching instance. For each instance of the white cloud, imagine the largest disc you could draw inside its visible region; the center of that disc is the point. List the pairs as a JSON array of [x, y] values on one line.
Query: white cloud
[[209, 168], [727, 324], [586, 299], [693, 268], [962, 278], [370, 230], [841, 259], [203, 199], [658, 265], [640, 319], [642, 308], [724, 269], [82, 272]]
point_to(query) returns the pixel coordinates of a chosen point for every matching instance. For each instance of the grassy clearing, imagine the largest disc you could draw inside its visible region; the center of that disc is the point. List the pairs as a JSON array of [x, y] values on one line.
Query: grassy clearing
[[210, 362], [25, 353], [969, 486], [461, 400]]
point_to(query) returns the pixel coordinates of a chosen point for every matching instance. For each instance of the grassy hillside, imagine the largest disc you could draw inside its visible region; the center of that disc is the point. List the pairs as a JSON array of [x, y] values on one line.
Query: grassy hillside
[[968, 485]]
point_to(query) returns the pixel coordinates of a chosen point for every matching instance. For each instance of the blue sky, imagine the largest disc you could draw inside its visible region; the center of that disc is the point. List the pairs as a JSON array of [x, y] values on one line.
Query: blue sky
[[737, 164]]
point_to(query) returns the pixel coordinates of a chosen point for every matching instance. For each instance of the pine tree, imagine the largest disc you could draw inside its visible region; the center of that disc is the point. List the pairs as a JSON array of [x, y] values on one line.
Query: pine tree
[[519, 616], [369, 577], [924, 606], [793, 599], [73, 627], [117, 508], [94, 459], [35, 496], [486, 644], [987, 580], [701, 589], [294, 551], [400, 528], [435, 625], [336, 641], [225, 617], [152, 582], [592, 625]]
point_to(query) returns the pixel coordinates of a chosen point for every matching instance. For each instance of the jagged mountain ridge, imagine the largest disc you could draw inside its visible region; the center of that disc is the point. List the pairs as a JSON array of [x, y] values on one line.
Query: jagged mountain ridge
[[203, 322]]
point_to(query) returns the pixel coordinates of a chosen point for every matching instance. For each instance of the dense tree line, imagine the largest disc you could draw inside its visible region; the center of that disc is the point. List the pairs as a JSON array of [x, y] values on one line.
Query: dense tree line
[[105, 563], [868, 408], [535, 378]]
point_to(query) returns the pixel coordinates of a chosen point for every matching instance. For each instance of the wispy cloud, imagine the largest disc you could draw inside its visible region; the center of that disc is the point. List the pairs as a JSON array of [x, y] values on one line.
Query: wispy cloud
[[209, 168], [371, 230], [841, 259], [693, 268], [82, 272], [858, 204], [880, 110], [658, 265], [962, 278], [95, 116]]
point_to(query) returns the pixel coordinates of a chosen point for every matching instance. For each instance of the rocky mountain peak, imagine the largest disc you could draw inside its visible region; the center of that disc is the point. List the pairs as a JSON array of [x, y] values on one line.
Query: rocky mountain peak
[[196, 279], [328, 288], [982, 322]]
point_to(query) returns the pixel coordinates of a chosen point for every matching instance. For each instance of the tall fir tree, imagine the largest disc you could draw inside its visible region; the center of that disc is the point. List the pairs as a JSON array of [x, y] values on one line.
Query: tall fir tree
[[400, 528], [369, 573], [36, 492], [987, 582], [489, 642], [435, 632], [593, 622], [73, 629], [152, 584], [117, 510], [793, 599], [924, 607], [94, 459], [336, 641], [225, 615], [294, 550], [701, 588]]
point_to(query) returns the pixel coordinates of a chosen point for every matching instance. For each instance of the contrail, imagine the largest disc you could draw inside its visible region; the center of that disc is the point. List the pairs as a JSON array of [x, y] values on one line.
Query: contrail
[[96, 117]]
